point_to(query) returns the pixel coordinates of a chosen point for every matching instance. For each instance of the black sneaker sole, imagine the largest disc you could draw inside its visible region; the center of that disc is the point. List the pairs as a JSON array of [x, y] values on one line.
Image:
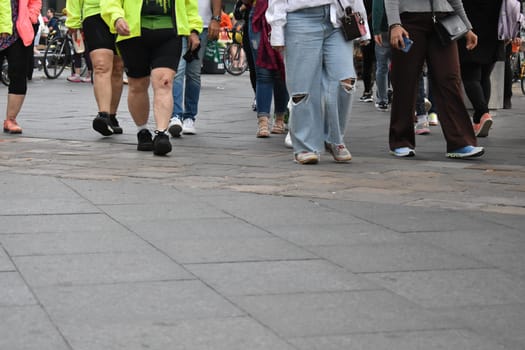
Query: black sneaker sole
[[117, 130], [146, 147], [101, 126]]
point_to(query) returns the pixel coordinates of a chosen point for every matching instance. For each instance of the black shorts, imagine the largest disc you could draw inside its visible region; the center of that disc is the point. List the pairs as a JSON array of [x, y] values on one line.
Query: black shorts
[[97, 34], [159, 48]]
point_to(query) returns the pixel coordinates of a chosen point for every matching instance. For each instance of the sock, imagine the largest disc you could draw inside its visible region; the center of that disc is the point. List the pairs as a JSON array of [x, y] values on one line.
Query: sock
[[142, 127], [422, 118]]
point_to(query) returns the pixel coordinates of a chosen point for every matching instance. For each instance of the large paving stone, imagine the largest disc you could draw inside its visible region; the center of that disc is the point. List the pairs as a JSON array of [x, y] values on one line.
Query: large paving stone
[[5, 263], [98, 268], [13, 291], [102, 241], [501, 323], [50, 205], [399, 255], [335, 313], [28, 328], [333, 234], [272, 277], [239, 333], [131, 304], [59, 223], [231, 250], [454, 288], [417, 340]]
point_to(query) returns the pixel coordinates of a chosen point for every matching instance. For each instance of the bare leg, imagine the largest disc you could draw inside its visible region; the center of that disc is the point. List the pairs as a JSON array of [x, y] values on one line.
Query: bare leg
[[102, 60], [14, 105], [138, 100], [162, 83], [116, 83]]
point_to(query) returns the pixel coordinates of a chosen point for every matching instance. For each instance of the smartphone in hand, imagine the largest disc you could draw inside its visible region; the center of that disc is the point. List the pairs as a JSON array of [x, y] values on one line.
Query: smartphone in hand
[[408, 44]]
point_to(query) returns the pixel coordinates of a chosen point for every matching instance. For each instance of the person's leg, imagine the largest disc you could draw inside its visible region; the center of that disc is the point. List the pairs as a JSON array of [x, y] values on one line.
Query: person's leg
[[305, 36], [117, 83], [138, 99], [102, 60], [368, 64], [178, 85], [16, 55], [443, 62], [422, 127], [471, 74], [161, 82], [339, 79], [406, 69], [193, 81], [382, 53], [507, 85], [280, 98]]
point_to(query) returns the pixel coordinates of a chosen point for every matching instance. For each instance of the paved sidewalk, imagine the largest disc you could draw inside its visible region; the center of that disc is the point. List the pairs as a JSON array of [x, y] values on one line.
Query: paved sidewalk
[[228, 244]]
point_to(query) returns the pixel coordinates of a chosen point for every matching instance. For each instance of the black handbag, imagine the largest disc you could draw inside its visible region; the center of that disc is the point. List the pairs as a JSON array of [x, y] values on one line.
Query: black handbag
[[352, 23], [448, 28]]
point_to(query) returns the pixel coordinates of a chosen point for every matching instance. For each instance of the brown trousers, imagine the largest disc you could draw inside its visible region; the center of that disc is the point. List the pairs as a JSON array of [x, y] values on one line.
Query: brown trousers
[[443, 63]]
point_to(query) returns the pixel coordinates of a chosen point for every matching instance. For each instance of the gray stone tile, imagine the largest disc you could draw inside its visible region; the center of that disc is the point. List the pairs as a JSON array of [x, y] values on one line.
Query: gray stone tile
[[417, 340], [333, 234], [231, 250], [454, 288], [239, 333], [28, 328], [13, 290], [400, 255], [191, 229], [51, 205], [5, 263], [126, 192], [254, 209], [476, 242], [402, 218], [102, 241], [133, 303], [501, 323], [128, 213], [321, 314], [272, 277], [510, 262], [98, 268], [58, 223]]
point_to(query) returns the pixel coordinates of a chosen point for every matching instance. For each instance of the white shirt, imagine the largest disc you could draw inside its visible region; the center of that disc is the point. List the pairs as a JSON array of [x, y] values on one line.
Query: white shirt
[[277, 10]]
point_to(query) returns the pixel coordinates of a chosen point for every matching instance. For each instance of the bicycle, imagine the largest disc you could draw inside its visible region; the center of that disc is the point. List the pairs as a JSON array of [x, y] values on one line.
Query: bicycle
[[234, 57], [59, 54]]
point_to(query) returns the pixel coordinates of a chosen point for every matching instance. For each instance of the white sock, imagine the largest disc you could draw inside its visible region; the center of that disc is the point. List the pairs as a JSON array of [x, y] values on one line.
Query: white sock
[[422, 118], [142, 127]]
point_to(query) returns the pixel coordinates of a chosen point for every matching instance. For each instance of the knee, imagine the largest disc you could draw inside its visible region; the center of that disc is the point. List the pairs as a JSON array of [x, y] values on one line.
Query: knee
[[348, 85], [298, 98]]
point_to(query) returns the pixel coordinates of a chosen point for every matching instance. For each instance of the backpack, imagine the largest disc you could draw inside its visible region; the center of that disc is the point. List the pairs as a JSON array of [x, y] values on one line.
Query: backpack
[[510, 20]]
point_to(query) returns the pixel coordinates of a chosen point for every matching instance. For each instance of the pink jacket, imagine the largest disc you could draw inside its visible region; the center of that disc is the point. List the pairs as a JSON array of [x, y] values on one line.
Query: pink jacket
[[28, 11]]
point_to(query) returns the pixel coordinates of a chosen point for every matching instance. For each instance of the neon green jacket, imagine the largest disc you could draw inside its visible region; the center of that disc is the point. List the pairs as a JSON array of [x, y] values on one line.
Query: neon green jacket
[[186, 12], [77, 10]]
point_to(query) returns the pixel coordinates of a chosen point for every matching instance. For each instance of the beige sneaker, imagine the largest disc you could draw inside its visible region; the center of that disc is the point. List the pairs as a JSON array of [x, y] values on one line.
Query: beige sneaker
[[278, 126], [306, 157], [339, 152], [262, 127]]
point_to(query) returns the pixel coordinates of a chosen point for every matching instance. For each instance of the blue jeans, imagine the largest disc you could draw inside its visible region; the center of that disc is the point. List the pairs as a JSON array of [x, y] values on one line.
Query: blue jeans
[[383, 57], [317, 59], [189, 73], [268, 82]]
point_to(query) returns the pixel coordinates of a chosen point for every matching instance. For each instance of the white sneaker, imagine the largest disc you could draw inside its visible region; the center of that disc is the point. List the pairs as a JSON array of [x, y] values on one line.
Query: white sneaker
[[288, 141], [175, 127], [188, 126]]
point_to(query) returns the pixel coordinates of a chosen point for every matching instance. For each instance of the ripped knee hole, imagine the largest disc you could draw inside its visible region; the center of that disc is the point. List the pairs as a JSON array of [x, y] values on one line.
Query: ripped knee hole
[[348, 84], [298, 98]]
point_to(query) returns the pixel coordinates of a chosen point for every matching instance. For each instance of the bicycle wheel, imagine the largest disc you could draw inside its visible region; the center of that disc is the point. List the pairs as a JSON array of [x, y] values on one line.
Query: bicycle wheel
[[234, 59], [54, 59], [4, 77]]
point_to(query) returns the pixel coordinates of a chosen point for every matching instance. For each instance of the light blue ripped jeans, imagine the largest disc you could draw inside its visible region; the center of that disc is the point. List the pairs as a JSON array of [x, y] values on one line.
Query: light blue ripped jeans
[[317, 60]]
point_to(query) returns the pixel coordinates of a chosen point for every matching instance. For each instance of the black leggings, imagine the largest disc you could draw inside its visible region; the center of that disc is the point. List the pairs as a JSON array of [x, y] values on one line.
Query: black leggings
[[476, 80], [17, 57]]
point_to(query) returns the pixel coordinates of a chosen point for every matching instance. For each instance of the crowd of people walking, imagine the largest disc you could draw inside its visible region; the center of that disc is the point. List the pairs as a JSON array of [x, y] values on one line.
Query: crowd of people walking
[[299, 58]]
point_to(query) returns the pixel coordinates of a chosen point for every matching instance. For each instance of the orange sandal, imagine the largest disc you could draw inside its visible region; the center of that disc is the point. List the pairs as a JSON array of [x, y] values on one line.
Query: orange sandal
[[12, 127]]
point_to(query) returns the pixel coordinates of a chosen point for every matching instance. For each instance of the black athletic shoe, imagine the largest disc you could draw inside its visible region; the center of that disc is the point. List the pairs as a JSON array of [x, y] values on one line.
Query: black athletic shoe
[[161, 143], [102, 124], [114, 124], [145, 143]]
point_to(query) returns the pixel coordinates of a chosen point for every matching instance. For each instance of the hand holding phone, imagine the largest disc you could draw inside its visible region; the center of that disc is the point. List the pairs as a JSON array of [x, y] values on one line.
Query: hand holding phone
[[408, 44]]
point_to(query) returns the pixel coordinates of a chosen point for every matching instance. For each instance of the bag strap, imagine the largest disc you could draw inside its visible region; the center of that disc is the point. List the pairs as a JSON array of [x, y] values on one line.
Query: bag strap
[[342, 7]]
